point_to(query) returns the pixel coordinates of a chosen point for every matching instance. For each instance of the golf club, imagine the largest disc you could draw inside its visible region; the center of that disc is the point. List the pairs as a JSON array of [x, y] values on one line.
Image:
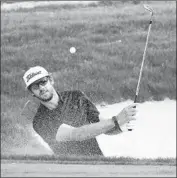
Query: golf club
[[22, 112], [144, 54]]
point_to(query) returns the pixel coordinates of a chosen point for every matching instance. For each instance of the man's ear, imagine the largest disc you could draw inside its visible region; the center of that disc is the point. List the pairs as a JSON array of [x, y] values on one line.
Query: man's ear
[[31, 93], [51, 79]]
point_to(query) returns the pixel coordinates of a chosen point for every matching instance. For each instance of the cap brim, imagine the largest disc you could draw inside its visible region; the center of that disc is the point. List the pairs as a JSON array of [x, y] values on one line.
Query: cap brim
[[35, 80]]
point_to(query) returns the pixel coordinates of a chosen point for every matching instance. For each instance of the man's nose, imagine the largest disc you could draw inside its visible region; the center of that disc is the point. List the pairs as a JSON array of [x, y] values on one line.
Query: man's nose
[[41, 87]]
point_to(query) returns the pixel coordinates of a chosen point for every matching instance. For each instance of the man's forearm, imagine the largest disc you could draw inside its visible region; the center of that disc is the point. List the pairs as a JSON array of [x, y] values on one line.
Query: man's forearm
[[86, 132], [93, 130], [113, 131]]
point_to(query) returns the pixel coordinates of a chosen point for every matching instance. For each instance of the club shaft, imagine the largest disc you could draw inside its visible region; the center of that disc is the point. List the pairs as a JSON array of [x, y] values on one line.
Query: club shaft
[[142, 64], [24, 107]]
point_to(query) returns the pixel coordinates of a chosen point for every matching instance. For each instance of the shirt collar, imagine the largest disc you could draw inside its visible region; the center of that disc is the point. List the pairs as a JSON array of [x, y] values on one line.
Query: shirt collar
[[60, 97]]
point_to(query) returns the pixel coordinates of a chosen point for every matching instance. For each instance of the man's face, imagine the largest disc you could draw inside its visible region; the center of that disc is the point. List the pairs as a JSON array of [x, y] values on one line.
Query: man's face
[[43, 89]]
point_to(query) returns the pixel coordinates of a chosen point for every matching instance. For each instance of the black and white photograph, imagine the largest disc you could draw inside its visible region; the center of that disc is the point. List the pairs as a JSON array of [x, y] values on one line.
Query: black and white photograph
[[88, 88]]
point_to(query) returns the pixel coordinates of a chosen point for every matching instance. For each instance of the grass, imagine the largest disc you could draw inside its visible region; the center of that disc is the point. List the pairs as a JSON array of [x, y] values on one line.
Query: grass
[[91, 160], [103, 68]]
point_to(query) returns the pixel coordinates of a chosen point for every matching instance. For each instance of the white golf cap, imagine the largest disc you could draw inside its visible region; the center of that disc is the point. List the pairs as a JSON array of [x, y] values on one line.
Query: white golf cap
[[34, 74]]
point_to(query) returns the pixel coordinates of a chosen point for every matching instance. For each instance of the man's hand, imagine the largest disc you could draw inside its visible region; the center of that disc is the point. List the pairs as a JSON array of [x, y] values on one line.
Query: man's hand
[[126, 115]]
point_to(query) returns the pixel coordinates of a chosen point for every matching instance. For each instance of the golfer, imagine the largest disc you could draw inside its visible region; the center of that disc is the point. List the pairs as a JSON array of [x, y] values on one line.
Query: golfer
[[68, 121]]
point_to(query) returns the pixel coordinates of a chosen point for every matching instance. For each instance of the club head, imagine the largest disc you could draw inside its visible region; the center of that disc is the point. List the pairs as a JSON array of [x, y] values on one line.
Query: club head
[[148, 8]]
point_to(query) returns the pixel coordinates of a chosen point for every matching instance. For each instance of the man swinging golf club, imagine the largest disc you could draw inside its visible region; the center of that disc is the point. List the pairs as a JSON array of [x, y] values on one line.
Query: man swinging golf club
[[68, 121]]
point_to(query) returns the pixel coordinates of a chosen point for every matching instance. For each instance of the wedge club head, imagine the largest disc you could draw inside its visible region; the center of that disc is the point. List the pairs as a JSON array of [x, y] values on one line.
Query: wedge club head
[[147, 7]]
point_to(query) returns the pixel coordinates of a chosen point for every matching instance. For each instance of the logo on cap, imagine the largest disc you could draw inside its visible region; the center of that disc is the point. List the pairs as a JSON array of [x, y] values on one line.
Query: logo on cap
[[30, 76]]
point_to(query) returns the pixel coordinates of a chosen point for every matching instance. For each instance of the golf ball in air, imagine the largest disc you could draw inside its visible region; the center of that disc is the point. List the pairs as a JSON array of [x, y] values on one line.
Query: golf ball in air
[[72, 50]]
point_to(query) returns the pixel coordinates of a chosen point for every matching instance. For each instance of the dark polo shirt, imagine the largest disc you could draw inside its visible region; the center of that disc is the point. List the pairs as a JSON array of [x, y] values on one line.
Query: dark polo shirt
[[74, 109]]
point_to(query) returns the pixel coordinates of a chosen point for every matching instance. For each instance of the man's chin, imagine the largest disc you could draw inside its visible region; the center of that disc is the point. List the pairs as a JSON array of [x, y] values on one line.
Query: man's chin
[[46, 99]]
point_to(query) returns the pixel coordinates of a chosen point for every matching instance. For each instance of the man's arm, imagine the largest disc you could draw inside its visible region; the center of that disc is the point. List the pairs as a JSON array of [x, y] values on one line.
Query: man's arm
[[68, 133], [93, 114], [92, 130], [113, 131]]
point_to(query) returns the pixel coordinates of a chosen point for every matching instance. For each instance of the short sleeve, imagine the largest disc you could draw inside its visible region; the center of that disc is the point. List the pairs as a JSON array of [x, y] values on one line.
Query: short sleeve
[[91, 111]]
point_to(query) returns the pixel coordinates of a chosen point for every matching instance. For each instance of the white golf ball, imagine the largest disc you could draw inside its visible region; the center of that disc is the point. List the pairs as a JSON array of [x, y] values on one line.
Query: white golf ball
[[72, 50]]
